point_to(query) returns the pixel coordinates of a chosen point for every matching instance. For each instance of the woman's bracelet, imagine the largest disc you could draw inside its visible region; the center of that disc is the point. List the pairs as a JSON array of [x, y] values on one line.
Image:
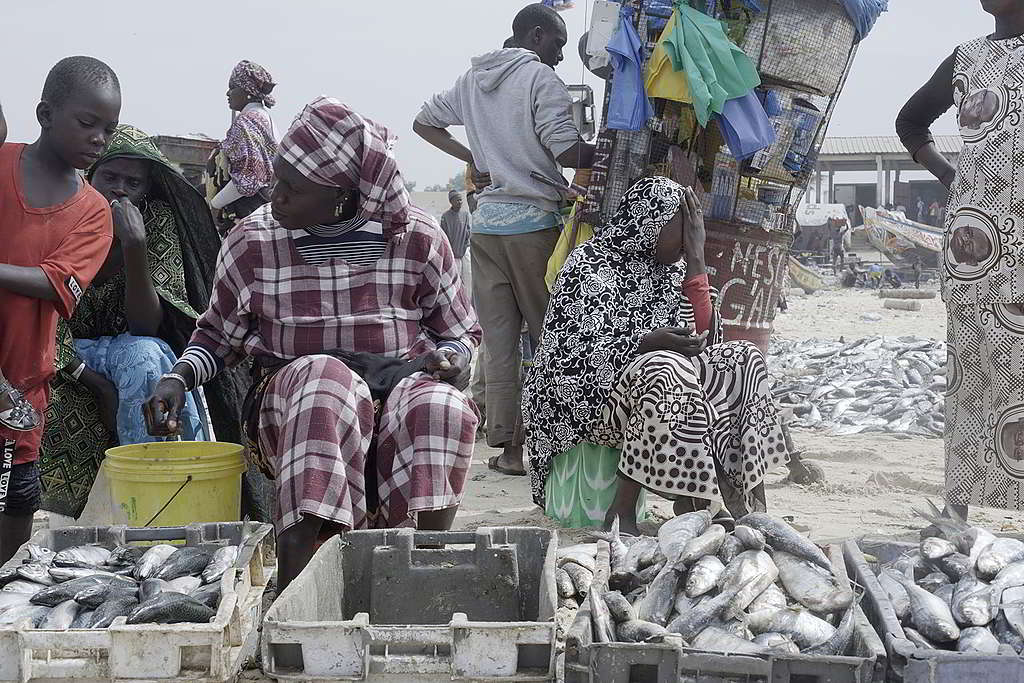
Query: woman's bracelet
[[177, 377]]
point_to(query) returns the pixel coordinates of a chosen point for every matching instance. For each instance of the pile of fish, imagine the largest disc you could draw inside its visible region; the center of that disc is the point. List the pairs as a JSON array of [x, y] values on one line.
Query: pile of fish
[[90, 586], [876, 384], [962, 589], [762, 589]]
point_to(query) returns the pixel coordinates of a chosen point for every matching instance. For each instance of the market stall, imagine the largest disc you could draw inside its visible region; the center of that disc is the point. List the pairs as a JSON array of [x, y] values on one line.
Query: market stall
[[733, 97]]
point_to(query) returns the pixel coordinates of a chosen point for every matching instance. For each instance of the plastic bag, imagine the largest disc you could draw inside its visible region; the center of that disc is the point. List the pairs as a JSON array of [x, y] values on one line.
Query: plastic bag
[[864, 14]]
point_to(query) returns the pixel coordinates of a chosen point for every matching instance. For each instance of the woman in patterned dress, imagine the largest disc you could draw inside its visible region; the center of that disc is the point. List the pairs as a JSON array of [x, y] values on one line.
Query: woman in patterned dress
[[346, 298], [631, 357], [129, 326], [982, 271]]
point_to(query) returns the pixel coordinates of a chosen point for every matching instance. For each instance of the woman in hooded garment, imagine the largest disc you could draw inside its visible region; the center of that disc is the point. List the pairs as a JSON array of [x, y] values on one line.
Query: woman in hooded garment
[[240, 172], [631, 357], [346, 297], [129, 326]]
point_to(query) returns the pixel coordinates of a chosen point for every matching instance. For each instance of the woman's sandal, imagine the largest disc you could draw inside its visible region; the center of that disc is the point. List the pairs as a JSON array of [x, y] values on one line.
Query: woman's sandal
[[22, 416]]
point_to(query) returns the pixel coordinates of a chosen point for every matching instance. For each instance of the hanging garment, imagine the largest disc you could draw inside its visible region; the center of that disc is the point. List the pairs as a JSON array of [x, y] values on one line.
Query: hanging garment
[[716, 70], [662, 80], [629, 108], [745, 126]]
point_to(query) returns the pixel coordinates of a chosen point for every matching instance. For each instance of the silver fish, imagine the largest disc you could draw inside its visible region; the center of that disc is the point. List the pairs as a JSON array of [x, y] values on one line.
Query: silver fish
[[564, 584], [581, 578], [209, 595], [61, 617], [23, 586], [28, 615], [934, 548], [690, 623], [713, 639], [37, 572], [917, 639], [771, 597], [657, 604], [38, 553], [747, 577], [777, 643], [998, 555], [94, 596], [118, 606], [84, 618], [946, 593], [636, 631], [82, 556], [896, 592], [839, 642], [54, 595], [604, 625], [642, 549], [708, 543], [731, 547], [678, 531], [10, 599], [809, 585], [1006, 634], [781, 536], [150, 587], [933, 581], [152, 560], [1012, 602], [126, 555], [703, 576], [955, 566], [184, 562], [580, 557], [804, 628], [62, 574], [978, 640], [972, 602], [751, 538], [931, 615], [620, 608]]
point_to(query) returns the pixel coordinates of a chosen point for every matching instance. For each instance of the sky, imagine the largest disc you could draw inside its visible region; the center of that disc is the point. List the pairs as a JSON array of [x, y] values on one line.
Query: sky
[[173, 59]]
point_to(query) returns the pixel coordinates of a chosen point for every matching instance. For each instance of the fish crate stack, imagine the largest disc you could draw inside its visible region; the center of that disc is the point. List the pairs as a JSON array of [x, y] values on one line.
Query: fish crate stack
[[211, 652], [587, 660], [424, 607], [803, 51], [908, 662]]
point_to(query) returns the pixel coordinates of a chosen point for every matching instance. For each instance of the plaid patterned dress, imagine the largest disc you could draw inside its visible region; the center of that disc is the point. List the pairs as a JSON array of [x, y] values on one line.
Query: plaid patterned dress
[[317, 418]]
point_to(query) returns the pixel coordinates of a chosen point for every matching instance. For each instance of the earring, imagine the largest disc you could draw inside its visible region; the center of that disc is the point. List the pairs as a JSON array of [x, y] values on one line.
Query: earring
[[339, 209]]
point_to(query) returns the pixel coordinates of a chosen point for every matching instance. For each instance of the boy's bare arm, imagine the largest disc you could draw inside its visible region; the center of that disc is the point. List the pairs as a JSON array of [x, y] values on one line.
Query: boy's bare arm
[[27, 281]]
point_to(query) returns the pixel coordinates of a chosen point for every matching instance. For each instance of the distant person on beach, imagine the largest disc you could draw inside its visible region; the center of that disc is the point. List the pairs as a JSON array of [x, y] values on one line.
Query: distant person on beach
[[456, 222], [980, 270], [917, 272], [517, 115], [57, 232], [891, 280], [240, 172]]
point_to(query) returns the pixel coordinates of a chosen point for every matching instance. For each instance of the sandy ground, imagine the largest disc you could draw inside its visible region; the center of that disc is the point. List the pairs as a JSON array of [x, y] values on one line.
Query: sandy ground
[[873, 482]]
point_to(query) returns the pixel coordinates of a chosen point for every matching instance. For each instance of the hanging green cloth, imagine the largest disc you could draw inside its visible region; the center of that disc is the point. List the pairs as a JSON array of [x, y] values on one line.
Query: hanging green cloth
[[716, 70]]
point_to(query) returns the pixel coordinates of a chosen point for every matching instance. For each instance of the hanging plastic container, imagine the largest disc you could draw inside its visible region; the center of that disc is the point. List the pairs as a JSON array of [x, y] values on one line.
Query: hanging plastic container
[[174, 483]]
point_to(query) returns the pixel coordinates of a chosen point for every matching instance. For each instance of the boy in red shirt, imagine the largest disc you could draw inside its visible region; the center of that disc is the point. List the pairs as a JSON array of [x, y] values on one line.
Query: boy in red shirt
[[56, 231]]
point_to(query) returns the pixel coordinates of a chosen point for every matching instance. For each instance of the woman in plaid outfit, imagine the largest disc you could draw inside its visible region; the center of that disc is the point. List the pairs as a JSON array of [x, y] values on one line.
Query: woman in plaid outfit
[[347, 298]]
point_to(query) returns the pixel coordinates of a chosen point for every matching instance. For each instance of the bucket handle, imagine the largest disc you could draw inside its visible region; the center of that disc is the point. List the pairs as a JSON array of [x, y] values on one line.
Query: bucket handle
[[181, 488]]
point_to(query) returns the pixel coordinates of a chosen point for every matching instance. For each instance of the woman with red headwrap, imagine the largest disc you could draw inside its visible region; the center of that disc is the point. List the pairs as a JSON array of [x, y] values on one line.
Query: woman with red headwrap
[[347, 298]]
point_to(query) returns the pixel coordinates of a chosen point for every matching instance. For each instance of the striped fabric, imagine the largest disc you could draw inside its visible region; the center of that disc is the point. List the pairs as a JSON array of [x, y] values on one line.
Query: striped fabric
[[359, 243]]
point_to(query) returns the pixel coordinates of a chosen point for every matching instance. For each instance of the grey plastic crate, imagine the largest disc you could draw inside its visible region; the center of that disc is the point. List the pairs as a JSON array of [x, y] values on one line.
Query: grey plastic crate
[[200, 653], [907, 663], [401, 605], [672, 663]]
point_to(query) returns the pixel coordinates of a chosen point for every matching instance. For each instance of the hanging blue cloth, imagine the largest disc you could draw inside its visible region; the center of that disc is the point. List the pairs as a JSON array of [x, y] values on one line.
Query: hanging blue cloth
[[628, 108], [864, 14], [770, 101], [745, 126]]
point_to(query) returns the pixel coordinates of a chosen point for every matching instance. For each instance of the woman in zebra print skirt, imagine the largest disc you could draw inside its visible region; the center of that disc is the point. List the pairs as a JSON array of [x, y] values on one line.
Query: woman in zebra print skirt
[[631, 357]]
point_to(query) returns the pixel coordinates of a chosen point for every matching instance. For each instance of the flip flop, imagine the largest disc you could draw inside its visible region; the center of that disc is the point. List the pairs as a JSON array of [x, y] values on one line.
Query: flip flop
[[492, 464]]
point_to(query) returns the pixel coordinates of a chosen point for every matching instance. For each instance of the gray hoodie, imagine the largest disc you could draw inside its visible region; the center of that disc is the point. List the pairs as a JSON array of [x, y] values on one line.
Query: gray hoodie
[[518, 118]]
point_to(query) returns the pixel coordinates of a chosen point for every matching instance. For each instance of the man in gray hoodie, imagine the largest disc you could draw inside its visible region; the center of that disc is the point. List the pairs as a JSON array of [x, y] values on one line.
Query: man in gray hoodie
[[518, 117]]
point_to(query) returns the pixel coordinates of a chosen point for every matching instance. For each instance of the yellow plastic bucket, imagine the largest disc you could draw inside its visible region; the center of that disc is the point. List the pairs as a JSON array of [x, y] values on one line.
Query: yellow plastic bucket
[[171, 483]]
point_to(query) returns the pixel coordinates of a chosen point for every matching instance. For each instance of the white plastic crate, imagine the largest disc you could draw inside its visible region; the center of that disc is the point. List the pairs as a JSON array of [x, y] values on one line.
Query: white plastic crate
[[206, 653], [337, 620]]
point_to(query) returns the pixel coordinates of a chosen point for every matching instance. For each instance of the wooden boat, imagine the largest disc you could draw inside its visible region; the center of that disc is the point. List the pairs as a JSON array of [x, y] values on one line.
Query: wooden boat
[[902, 240], [803, 277]]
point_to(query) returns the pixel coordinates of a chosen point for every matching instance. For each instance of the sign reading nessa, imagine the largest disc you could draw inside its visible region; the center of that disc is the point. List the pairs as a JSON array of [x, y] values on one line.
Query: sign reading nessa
[[749, 276]]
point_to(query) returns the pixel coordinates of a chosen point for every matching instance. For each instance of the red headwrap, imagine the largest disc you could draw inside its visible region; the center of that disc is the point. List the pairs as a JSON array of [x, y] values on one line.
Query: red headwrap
[[332, 145]]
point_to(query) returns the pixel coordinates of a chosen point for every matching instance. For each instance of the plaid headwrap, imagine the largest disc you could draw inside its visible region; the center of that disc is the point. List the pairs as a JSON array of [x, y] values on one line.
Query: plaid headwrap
[[334, 146], [254, 80]]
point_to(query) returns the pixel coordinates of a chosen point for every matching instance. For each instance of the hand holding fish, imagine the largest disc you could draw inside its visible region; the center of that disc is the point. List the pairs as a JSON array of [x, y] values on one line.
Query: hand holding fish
[[163, 408]]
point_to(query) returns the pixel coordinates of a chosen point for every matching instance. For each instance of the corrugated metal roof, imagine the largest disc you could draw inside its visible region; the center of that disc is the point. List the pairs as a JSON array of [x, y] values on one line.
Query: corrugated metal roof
[[881, 144]]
